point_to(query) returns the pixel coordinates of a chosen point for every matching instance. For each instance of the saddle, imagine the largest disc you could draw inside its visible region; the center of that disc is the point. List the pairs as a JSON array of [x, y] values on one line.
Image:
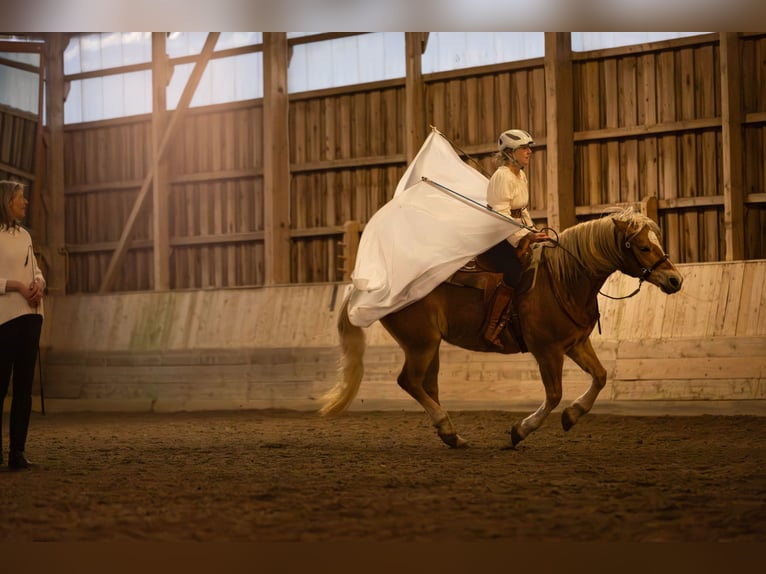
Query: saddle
[[479, 273]]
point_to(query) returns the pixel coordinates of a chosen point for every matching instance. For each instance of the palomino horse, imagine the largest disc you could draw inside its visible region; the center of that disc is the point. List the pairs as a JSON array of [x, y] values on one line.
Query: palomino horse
[[557, 316]]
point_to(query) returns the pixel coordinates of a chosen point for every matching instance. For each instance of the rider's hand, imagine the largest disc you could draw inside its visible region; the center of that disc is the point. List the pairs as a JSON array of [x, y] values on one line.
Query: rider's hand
[[537, 236]]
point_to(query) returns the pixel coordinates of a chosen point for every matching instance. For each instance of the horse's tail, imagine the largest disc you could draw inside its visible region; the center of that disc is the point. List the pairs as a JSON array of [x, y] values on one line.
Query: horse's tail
[[352, 344]]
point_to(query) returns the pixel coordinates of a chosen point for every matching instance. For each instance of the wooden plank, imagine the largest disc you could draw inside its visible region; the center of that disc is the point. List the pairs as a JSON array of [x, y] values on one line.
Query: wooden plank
[[660, 46], [346, 163], [538, 103], [590, 117], [455, 111], [648, 105], [701, 368], [697, 309], [728, 314], [691, 347], [487, 125], [731, 113], [761, 306], [659, 129], [708, 288], [472, 103], [707, 150], [752, 288], [688, 389]]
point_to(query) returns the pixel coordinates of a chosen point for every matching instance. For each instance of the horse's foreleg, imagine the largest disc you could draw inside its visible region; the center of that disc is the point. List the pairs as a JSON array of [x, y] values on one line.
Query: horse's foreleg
[[585, 357], [419, 378], [551, 369]]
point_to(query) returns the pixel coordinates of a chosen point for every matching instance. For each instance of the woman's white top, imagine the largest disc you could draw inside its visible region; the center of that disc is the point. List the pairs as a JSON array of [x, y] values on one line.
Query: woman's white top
[[507, 192], [17, 262]]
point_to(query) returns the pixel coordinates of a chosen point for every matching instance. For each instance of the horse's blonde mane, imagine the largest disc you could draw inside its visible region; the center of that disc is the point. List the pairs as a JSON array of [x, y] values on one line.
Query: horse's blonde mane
[[595, 246]]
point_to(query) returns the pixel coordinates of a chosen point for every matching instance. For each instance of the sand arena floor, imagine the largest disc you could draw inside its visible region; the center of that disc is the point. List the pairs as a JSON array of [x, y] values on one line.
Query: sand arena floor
[[385, 476]]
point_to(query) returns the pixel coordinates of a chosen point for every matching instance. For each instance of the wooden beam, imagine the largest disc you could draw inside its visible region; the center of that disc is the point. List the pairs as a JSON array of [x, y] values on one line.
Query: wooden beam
[[130, 68], [276, 159], [183, 105], [560, 130], [38, 216], [755, 118], [357, 162], [322, 37], [53, 251], [414, 94], [161, 72], [16, 171], [731, 122], [653, 129]]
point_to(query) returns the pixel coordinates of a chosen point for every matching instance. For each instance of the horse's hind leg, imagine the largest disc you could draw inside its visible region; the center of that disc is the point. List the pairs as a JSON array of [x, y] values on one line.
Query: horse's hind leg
[[584, 355], [419, 378]]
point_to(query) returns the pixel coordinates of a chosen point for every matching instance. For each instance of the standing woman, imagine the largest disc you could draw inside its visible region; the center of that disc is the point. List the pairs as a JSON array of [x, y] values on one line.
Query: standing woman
[[21, 317]]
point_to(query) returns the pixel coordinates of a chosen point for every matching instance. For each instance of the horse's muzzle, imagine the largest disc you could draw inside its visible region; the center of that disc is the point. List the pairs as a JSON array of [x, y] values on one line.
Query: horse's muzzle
[[672, 283]]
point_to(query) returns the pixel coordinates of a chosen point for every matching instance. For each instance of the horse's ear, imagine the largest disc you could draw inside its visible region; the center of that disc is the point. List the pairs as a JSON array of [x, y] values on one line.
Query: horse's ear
[[622, 229]]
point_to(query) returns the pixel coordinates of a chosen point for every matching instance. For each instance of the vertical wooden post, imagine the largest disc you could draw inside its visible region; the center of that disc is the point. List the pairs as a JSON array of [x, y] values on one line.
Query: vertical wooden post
[[36, 216], [55, 222], [731, 123], [559, 115], [414, 94], [276, 159], [160, 78]]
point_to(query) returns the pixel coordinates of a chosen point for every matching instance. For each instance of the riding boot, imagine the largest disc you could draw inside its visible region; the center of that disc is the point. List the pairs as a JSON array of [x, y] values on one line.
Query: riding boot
[[497, 317]]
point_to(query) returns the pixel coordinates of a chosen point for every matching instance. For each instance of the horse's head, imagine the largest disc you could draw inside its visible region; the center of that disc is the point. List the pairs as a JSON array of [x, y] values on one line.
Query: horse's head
[[643, 255]]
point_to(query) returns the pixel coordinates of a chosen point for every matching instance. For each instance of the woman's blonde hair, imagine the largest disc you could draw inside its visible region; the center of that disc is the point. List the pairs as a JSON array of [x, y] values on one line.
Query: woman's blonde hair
[[7, 190], [499, 159]]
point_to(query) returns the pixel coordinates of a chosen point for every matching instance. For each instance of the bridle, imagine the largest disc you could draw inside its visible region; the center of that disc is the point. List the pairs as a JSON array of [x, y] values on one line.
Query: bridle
[[645, 272]]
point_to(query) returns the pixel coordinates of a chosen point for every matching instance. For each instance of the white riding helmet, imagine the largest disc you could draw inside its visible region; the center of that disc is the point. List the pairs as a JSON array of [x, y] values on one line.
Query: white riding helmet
[[510, 140]]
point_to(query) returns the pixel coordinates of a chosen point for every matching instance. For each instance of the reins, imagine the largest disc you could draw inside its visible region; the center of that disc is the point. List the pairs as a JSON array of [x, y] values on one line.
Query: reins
[[644, 271]]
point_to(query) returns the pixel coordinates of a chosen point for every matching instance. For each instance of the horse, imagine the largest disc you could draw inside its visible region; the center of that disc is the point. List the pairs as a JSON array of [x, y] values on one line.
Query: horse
[[556, 316]]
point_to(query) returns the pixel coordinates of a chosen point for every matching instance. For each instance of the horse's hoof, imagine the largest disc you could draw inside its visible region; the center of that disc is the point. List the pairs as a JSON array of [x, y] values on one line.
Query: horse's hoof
[[454, 440], [516, 437], [566, 420], [571, 415]]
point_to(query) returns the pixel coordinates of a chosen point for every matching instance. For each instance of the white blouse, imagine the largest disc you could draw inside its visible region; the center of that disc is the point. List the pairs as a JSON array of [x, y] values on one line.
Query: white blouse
[[17, 262], [508, 192]]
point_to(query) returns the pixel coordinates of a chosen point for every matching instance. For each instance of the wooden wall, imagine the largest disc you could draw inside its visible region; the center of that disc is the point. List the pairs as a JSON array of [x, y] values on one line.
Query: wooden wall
[[347, 155], [473, 107], [215, 202], [754, 142], [18, 131], [18, 147], [276, 347], [647, 122]]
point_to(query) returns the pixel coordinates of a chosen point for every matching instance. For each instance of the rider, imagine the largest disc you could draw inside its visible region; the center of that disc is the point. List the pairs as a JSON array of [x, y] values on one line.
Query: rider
[[508, 194]]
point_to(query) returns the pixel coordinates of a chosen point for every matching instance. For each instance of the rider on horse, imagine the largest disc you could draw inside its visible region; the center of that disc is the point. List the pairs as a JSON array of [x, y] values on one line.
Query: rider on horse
[[508, 194]]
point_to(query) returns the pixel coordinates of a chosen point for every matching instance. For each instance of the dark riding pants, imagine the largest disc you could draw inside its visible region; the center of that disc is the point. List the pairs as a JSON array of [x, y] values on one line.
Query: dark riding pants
[[503, 257], [19, 343]]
